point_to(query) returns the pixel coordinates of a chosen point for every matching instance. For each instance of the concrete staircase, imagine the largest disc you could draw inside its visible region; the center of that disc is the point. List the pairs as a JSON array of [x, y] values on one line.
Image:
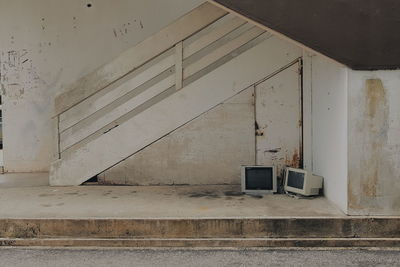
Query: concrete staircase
[[222, 232], [178, 74]]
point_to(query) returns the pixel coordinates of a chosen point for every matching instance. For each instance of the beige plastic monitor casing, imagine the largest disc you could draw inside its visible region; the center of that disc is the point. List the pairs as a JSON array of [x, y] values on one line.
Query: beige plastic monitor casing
[[312, 183]]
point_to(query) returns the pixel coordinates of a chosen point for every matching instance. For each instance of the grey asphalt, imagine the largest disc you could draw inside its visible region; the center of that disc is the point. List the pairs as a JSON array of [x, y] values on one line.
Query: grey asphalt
[[196, 257]]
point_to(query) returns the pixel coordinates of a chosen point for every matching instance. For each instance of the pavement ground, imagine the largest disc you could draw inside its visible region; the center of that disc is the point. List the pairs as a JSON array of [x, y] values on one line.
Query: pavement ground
[[198, 257]]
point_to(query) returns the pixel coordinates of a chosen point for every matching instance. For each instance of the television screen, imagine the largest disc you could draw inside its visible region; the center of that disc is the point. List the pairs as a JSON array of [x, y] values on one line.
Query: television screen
[[259, 178], [295, 179]]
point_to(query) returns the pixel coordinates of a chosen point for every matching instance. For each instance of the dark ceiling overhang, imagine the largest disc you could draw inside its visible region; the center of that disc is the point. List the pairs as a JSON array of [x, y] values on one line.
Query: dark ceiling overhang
[[362, 34]]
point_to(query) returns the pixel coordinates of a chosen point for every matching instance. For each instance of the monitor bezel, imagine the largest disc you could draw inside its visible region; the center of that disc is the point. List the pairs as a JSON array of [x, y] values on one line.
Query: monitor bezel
[[293, 189], [259, 192]]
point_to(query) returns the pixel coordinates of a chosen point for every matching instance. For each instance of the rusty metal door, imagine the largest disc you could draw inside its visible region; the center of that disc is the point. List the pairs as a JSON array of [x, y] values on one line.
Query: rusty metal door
[[279, 119]]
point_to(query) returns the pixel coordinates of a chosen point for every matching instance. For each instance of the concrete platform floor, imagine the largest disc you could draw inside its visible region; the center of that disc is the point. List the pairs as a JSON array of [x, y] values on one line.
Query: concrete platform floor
[[139, 202]]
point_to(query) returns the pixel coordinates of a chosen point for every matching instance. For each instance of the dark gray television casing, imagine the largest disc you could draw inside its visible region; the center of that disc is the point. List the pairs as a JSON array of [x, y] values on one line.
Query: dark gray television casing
[[251, 191]]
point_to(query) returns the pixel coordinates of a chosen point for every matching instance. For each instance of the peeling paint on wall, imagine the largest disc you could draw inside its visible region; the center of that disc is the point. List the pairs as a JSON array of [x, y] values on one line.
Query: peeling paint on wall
[[17, 74]]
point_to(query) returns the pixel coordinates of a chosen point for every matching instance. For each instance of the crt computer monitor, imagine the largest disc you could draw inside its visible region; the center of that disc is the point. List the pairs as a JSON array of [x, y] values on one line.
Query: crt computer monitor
[[302, 182], [259, 179]]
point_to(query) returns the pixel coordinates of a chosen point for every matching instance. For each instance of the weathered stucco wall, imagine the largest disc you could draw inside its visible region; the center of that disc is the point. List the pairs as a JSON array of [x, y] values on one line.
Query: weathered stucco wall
[[208, 150], [48, 44], [329, 127], [374, 143]]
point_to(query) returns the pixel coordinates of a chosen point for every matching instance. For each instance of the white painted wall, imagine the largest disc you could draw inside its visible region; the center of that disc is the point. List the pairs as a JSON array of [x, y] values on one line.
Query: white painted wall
[[48, 44], [329, 126], [374, 142]]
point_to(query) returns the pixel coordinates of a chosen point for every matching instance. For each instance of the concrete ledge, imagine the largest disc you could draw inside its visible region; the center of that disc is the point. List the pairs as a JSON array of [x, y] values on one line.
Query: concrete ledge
[[233, 242], [21, 180], [347, 227]]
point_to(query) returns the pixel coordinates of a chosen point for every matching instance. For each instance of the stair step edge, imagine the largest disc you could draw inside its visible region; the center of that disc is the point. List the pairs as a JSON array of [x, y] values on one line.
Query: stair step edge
[[201, 242]]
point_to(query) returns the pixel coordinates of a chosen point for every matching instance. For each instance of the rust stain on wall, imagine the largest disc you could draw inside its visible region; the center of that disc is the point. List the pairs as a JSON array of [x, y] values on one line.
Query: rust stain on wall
[[294, 160], [367, 179], [370, 185], [377, 115], [353, 196], [376, 96]]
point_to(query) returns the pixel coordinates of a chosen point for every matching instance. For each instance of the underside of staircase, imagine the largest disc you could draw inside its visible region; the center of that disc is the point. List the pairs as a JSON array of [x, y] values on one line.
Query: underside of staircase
[[156, 87]]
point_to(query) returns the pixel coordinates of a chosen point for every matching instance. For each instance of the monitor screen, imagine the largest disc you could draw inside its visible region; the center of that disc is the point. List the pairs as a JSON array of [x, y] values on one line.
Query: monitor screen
[[259, 178], [295, 179]]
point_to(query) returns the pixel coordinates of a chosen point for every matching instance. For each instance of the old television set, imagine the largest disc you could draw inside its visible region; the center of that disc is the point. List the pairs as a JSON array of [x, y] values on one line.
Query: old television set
[[302, 182], [259, 179]]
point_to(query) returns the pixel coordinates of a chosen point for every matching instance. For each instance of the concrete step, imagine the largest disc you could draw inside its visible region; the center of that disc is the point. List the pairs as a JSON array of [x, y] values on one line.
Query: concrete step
[[237, 228], [201, 242]]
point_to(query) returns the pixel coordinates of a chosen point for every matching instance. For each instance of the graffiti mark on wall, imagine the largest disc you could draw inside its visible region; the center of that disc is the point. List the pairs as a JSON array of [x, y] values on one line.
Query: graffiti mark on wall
[[127, 28]]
